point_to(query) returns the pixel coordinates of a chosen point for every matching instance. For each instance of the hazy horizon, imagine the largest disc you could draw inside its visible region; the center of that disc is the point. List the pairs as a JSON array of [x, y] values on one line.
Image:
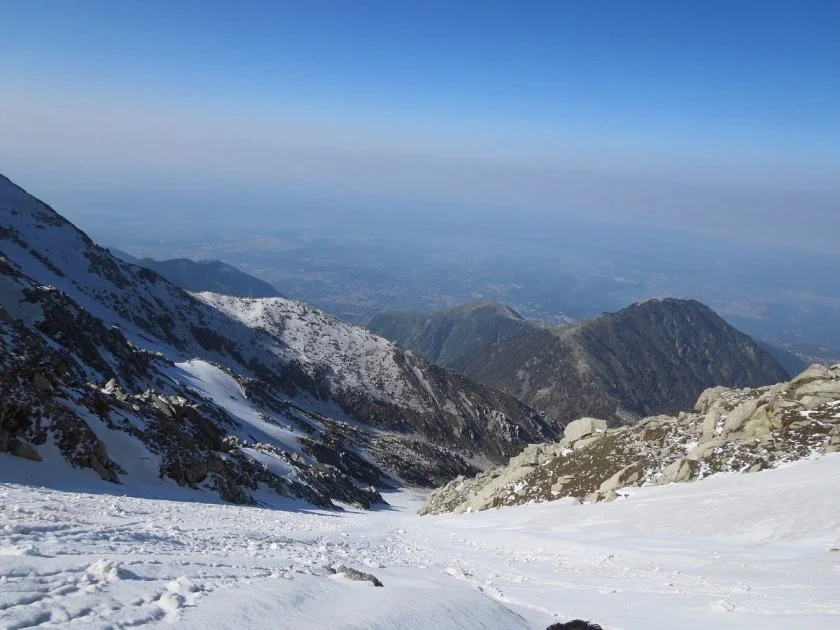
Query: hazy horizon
[[716, 119]]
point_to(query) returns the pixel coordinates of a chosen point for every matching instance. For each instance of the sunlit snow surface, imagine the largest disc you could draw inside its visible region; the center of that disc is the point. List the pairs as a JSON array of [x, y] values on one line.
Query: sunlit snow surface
[[736, 551]]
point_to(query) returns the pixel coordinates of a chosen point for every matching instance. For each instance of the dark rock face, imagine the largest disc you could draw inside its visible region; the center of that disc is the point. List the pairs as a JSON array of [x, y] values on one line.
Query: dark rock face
[[357, 576], [30, 412], [575, 624], [652, 357], [540, 367], [488, 421], [661, 354], [281, 397]]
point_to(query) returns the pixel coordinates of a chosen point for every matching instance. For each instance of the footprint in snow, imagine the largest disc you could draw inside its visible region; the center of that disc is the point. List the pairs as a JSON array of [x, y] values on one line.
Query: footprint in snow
[[722, 606]]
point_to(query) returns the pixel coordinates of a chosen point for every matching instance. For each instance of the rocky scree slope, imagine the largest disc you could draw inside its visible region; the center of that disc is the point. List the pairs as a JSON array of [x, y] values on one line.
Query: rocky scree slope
[[652, 357], [109, 366], [730, 430]]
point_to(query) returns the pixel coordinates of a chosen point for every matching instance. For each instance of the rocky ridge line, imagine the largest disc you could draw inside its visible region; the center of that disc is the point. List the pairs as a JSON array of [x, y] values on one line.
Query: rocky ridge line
[[730, 430]]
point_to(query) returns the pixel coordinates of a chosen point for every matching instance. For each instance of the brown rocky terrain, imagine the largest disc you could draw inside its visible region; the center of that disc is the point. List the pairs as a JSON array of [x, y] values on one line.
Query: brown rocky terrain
[[651, 357], [730, 430]]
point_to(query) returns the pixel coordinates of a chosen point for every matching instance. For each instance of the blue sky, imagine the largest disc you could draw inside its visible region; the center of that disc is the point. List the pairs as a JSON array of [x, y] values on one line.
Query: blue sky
[[681, 114]]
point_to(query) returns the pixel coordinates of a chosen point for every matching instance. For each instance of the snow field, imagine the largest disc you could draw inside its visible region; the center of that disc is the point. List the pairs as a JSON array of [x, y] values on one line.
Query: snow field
[[735, 551]]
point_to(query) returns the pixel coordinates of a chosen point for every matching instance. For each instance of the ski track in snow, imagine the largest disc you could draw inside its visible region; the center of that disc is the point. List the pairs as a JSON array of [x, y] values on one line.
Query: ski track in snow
[[736, 551]]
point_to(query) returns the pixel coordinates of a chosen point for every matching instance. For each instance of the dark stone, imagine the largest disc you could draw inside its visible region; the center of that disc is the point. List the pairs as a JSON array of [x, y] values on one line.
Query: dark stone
[[358, 576]]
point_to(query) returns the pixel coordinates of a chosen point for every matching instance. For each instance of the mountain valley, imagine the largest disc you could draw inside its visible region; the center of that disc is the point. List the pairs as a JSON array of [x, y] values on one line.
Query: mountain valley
[[227, 395], [211, 460]]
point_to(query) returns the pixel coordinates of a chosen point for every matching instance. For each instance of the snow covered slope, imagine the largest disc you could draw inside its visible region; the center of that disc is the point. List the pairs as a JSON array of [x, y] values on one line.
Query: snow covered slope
[[370, 378], [222, 394], [730, 552]]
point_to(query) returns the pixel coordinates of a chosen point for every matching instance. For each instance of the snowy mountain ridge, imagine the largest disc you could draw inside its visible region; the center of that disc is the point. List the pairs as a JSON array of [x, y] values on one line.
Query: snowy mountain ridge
[[97, 347]]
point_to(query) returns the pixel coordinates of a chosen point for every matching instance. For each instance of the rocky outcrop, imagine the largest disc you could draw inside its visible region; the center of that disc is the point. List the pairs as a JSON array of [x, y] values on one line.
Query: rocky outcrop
[[355, 575], [31, 412], [583, 427], [729, 430], [46, 396]]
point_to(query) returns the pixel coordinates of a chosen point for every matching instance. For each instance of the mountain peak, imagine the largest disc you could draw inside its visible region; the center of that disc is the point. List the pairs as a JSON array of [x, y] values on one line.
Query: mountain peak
[[675, 314], [654, 303], [653, 356], [491, 306], [19, 204]]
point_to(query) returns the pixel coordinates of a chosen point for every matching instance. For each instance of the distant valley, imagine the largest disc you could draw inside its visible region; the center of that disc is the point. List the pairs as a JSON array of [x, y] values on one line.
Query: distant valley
[[550, 270]]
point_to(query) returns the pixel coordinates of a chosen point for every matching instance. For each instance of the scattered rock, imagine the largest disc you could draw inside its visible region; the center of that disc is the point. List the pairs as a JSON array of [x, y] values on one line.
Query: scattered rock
[[732, 430], [356, 575]]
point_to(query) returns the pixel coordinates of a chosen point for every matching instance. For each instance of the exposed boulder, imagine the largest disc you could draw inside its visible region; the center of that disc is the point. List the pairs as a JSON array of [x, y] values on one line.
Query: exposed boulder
[[710, 424], [583, 427], [708, 398], [814, 372], [624, 477], [678, 472], [738, 416]]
